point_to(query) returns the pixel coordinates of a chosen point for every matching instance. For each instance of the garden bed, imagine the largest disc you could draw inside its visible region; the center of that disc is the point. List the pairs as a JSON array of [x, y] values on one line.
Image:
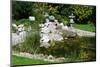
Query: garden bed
[[72, 49]]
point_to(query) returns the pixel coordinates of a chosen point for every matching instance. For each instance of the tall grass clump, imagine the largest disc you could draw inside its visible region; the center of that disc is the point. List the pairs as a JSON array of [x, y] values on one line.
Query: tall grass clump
[[31, 43]]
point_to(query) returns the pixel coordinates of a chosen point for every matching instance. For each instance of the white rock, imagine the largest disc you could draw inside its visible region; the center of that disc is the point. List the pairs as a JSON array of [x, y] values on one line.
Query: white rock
[[51, 18], [64, 28], [45, 44], [50, 57], [18, 38], [14, 25], [58, 37], [21, 25], [56, 20], [31, 18], [60, 59], [49, 32], [45, 38], [41, 25], [55, 37], [61, 24], [22, 34], [45, 30], [47, 20]]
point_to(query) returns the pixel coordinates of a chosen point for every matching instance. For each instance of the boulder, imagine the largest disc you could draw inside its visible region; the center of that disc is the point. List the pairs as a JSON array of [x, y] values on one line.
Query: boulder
[[69, 32]]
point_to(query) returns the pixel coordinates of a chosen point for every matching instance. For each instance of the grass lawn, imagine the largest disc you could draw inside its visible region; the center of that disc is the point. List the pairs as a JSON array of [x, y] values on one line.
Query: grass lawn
[[87, 27], [16, 60]]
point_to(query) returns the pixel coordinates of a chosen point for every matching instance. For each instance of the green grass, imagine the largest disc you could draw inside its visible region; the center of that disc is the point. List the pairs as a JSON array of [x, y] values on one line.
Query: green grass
[[17, 60], [87, 27]]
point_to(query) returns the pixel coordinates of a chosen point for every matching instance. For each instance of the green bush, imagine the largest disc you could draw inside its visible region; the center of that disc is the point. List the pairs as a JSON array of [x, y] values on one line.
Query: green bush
[[23, 21]]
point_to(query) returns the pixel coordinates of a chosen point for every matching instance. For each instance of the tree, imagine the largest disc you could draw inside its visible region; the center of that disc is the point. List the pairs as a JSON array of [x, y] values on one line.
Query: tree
[[21, 9], [39, 10], [82, 13]]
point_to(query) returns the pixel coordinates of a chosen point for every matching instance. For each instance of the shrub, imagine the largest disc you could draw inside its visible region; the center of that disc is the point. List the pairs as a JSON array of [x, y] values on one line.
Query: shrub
[[80, 47], [23, 21]]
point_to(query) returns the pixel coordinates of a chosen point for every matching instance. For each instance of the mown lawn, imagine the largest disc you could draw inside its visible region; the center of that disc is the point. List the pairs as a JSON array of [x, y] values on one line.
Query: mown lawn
[[17, 60], [86, 27]]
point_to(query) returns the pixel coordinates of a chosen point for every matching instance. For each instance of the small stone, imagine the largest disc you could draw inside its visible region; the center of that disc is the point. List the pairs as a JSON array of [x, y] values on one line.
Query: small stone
[[31, 18], [14, 25], [60, 59], [50, 57]]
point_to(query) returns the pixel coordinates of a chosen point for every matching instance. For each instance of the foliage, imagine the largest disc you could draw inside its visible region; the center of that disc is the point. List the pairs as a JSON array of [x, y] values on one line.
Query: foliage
[[21, 9], [34, 24], [39, 10], [73, 48], [82, 48], [82, 13], [22, 21], [64, 10], [13, 29]]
